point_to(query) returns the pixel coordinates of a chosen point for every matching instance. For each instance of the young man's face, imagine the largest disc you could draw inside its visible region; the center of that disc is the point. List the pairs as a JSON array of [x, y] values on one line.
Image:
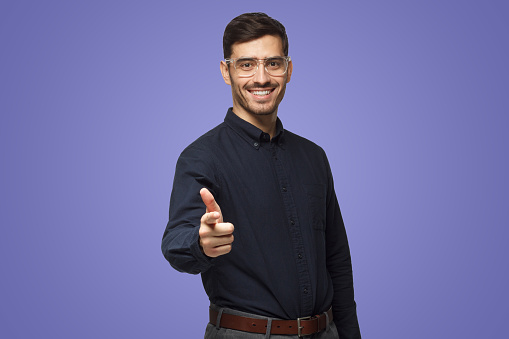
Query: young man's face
[[261, 93]]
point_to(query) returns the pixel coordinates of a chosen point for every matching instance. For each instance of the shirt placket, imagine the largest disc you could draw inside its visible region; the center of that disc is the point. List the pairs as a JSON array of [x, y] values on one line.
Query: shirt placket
[[294, 225]]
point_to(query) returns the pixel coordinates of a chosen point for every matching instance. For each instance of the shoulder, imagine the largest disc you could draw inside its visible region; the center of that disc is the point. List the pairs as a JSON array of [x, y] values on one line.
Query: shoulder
[[294, 140], [206, 143], [199, 157]]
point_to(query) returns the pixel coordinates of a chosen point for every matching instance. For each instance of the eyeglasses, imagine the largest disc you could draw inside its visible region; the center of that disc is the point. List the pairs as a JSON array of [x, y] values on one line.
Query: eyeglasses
[[247, 67]]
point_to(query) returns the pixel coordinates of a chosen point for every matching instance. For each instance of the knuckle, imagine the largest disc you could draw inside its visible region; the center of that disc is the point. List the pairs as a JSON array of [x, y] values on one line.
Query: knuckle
[[203, 232], [218, 251], [203, 218], [214, 252], [210, 253], [205, 242]]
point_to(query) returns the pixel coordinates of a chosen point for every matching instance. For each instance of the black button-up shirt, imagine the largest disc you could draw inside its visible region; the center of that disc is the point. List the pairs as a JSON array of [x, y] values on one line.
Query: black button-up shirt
[[290, 255]]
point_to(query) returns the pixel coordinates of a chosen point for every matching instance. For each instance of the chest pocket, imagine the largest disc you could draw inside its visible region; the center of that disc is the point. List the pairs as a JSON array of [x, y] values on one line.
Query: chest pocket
[[316, 194]]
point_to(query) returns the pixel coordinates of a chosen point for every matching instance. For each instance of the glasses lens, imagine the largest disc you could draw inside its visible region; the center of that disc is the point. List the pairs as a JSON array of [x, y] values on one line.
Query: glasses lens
[[276, 65], [245, 66]]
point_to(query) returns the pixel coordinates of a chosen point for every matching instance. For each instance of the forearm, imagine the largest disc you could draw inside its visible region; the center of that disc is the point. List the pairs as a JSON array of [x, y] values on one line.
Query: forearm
[[180, 243], [180, 246], [339, 266], [343, 302]]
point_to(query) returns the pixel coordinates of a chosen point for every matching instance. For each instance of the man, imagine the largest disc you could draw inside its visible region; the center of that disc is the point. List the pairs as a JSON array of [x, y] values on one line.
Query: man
[[253, 207]]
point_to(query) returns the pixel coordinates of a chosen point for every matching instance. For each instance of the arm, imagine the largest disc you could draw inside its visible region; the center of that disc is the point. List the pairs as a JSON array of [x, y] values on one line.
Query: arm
[[340, 268], [195, 232]]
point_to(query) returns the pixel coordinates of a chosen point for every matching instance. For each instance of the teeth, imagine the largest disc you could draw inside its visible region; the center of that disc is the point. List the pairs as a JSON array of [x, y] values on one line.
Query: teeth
[[261, 92]]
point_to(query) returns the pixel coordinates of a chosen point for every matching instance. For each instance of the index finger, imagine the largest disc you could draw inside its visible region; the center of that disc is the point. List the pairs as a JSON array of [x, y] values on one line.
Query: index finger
[[209, 201]]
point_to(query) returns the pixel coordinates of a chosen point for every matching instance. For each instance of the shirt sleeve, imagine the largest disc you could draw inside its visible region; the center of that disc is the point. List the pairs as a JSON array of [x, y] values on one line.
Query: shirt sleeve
[[180, 244], [340, 267]]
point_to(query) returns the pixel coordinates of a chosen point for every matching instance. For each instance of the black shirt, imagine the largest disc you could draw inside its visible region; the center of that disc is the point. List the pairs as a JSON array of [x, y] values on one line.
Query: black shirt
[[290, 255]]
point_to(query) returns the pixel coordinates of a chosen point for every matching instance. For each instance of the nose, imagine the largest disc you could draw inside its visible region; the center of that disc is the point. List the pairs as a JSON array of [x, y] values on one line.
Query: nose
[[261, 76]]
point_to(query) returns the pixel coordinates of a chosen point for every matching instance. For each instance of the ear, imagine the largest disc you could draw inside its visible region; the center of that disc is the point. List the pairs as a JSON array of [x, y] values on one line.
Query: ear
[[225, 72], [289, 71]]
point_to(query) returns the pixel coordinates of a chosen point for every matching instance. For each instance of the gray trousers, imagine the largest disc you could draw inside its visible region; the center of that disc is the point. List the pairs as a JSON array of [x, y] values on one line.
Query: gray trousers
[[213, 332]]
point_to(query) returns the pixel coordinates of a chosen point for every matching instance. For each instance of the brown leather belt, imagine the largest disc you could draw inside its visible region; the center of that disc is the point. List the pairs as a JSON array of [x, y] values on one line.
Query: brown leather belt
[[301, 326]]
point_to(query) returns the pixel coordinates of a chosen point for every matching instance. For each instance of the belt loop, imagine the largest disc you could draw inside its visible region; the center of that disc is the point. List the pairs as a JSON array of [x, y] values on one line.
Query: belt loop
[[218, 320], [327, 325], [269, 328]]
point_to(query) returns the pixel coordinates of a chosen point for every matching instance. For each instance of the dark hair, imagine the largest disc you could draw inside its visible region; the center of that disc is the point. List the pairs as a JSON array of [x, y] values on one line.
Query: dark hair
[[250, 26]]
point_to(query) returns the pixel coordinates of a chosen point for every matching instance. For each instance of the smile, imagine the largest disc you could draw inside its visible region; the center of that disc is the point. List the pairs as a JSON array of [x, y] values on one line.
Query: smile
[[262, 93]]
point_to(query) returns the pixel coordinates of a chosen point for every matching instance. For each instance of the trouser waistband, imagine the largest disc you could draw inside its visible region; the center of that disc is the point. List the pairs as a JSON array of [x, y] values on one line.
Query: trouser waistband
[[220, 317]]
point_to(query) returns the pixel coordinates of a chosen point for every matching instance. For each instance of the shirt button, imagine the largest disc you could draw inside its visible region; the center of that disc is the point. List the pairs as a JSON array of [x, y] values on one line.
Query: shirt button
[[305, 291], [292, 221], [255, 144], [284, 189], [299, 256]]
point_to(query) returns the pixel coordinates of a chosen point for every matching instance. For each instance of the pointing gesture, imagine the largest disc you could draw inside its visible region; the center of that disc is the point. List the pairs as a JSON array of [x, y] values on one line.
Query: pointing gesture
[[216, 236]]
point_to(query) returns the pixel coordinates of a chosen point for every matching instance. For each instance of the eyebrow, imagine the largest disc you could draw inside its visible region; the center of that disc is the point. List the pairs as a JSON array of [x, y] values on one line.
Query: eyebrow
[[253, 57]]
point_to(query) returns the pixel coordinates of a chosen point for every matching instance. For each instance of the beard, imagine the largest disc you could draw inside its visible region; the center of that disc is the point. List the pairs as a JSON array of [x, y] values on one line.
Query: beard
[[259, 109], [256, 108]]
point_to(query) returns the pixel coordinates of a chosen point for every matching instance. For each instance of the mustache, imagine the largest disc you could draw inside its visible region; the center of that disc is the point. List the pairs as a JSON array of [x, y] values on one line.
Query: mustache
[[260, 86]]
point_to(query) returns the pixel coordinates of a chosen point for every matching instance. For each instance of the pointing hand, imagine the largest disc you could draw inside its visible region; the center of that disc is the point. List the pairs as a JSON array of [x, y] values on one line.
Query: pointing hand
[[216, 236]]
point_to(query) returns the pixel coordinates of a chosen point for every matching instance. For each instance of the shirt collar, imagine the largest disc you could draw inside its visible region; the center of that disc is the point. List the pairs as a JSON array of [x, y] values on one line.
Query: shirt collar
[[251, 133]]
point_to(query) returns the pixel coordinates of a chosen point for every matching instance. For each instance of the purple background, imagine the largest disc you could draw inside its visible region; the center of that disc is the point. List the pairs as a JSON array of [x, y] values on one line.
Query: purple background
[[98, 98]]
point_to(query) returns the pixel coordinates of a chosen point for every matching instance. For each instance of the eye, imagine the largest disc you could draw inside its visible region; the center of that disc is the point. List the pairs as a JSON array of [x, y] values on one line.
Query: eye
[[274, 63], [245, 64]]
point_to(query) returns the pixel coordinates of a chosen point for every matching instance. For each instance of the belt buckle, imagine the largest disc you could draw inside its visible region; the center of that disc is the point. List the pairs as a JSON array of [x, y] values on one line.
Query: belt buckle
[[299, 328]]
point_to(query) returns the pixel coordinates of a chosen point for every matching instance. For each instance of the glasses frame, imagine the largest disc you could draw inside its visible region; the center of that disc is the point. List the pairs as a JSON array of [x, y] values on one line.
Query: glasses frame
[[232, 61]]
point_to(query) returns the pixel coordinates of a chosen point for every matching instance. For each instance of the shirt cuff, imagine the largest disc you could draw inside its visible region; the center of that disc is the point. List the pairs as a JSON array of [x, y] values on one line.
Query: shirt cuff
[[204, 262]]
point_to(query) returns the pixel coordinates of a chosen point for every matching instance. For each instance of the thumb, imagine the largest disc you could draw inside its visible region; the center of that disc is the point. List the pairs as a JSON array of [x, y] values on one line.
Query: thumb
[[209, 201]]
